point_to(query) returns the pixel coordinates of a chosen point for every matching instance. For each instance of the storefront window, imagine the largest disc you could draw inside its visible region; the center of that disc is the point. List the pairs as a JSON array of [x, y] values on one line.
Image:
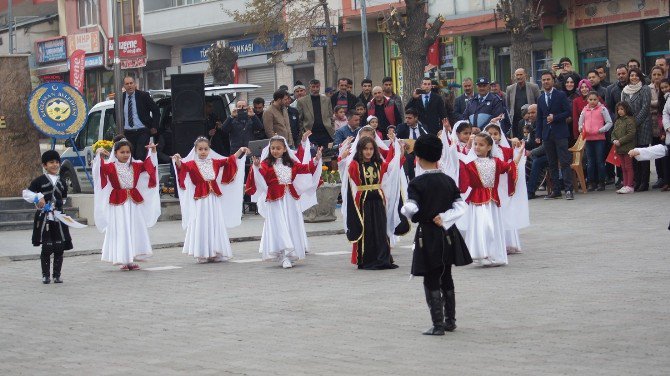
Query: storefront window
[[91, 90], [541, 62], [106, 84], [446, 72], [483, 62], [656, 34], [154, 79], [503, 67], [591, 59]]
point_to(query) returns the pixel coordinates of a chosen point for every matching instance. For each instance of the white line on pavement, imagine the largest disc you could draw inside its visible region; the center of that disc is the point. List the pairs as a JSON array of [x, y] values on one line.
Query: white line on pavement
[[333, 253], [160, 268], [246, 261]]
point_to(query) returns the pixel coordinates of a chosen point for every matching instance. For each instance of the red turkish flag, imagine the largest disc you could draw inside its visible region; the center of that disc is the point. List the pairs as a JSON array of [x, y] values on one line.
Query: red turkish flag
[[613, 158], [434, 53], [77, 61]]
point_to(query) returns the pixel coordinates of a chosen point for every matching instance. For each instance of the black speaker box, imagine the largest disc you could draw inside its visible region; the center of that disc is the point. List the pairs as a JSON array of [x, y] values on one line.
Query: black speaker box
[[184, 134], [188, 97]]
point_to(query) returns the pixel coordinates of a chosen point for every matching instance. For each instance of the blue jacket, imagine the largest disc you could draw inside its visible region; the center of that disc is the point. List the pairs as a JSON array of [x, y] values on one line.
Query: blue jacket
[[342, 134], [559, 106], [479, 112]]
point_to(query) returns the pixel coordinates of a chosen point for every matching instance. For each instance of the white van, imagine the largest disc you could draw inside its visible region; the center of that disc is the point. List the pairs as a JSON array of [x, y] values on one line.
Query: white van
[[101, 125]]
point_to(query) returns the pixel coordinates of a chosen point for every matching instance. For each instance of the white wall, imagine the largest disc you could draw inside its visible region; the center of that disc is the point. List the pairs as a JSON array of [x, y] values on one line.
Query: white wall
[[452, 8]]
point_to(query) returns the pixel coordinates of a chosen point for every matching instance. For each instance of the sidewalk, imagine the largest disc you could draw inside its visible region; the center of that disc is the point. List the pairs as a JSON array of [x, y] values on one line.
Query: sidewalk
[[16, 246]]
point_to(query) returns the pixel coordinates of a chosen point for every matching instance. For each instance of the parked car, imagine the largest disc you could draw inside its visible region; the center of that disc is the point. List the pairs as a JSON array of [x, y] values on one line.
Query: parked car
[[101, 125]]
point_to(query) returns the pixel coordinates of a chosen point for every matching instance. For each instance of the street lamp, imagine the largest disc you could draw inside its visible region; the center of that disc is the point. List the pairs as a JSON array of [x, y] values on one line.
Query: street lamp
[[118, 94]]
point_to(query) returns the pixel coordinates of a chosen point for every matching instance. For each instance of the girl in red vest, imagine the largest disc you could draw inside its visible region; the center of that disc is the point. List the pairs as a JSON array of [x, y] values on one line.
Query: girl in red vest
[[284, 188], [594, 122], [210, 196], [127, 203], [480, 174]]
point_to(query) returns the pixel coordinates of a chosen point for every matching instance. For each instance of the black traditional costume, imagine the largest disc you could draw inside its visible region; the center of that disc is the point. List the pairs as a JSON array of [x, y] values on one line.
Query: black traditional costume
[[436, 248], [48, 231]]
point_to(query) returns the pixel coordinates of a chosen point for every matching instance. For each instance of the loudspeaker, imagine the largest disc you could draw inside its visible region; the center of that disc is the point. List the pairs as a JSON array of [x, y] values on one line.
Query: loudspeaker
[[184, 134], [188, 97]]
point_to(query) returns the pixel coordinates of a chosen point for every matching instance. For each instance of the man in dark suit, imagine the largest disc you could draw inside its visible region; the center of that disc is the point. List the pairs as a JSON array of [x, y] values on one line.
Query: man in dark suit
[[485, 106], [141, 116], [553, 108], [343, 96], [410, 129], [461, 102], [430, 106]]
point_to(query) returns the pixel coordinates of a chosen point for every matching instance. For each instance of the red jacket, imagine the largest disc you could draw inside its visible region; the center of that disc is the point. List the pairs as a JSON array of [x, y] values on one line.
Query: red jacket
[[120, 195], [204, 187], [480, 195], [276, 190]]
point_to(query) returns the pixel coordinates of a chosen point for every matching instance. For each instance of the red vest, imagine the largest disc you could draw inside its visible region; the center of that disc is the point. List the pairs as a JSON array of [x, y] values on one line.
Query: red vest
[[119, 195], [276, 190], [480, 195], [389, 112], [204, 187]]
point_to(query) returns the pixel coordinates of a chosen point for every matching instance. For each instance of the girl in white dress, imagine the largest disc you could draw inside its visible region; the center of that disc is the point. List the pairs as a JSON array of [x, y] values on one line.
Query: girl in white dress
[[127, 203], [284, 187], [479, 178], [210, 196]]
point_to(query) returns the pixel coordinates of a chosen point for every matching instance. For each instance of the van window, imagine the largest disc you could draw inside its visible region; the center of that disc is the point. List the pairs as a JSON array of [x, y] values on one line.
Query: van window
[[110, 125], [89, 133]]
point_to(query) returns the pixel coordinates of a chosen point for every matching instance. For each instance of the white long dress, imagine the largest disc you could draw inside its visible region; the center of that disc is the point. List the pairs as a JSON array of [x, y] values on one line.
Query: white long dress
[[284, 234], [126, 226], [208, 217], [482, 225]]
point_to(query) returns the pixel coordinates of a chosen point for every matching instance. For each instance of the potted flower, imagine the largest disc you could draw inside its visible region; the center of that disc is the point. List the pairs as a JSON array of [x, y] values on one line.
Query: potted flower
[[326, 196]]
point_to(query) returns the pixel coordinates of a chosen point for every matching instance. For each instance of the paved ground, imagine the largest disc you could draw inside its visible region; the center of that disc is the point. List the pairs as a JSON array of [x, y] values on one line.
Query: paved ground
[[589, 297]]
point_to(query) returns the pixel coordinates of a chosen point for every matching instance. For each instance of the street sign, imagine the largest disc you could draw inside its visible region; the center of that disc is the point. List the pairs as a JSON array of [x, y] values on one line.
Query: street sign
[[320, 36]]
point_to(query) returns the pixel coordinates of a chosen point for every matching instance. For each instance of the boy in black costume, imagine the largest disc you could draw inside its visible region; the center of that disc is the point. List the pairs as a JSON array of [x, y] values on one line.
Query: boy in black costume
[[434, 203], [48, 192]]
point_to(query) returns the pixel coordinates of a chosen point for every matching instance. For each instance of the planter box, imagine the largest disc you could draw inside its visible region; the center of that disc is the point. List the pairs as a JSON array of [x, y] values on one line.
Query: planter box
[[324, 211]]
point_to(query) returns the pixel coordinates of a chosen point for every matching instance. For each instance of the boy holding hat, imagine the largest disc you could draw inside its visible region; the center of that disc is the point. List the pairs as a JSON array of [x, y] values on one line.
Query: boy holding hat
[[48, 192], [435, 204]]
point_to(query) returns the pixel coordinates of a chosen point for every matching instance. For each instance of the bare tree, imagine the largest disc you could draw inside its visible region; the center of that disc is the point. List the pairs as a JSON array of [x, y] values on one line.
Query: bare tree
[[414, 36], [293, 19], [521, 17], [221, 63], [19, 141]]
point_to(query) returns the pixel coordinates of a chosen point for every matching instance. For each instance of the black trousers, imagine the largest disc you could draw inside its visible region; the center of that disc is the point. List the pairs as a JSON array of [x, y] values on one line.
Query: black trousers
[[45, 258], [641, 170], [139, 139], [439, 278], [558, 153]]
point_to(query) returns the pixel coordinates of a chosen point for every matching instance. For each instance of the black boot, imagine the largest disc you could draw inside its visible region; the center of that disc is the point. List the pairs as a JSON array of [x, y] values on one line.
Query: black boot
[[449, 310], [435, 304], [58, 264], [45, 261]]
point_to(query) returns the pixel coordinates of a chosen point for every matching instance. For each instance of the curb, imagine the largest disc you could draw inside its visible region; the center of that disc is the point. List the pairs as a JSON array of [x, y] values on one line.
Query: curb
[[241, 239]]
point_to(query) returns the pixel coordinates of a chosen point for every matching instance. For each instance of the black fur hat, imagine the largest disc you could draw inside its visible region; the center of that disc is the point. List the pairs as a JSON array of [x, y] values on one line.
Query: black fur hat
[[428, 147], [50, 155]]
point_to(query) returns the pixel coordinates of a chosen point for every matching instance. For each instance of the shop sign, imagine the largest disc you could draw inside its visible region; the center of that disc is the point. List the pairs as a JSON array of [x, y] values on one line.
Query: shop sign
[[137, 62], [77, 62], [194, 54], [250, 47], [320, 36], [87, 42], [586, 13], [94, 61], [52, 78], [130, 45], [51, 50]]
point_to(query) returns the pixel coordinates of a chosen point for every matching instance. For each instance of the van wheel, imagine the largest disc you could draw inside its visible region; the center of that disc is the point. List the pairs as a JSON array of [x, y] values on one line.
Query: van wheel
[[70, 180]]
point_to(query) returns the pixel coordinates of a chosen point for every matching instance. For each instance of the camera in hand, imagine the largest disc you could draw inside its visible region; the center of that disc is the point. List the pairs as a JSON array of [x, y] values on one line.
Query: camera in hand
[[242, 113], [419, 91]]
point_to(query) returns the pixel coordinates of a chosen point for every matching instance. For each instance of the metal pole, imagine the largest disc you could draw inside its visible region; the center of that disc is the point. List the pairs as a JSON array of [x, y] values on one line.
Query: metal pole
[[118, 80], [10, 32], [364, 34]]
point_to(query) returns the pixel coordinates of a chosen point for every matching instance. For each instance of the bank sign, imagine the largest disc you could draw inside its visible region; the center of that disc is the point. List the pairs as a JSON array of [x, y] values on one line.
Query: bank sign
[[250, 47], [194, 54], [51, 50]]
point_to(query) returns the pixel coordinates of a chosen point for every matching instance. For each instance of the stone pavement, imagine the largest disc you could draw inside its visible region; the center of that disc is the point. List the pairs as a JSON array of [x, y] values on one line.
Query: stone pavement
[[588, 297], [16, 245]]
